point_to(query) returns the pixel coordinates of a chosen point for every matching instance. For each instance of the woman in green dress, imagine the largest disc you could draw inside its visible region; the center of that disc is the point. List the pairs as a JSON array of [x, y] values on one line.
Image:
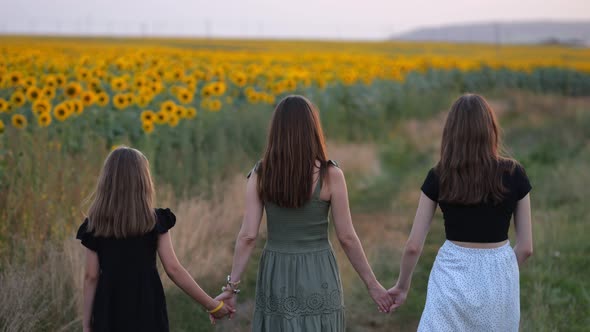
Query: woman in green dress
[[298, 286]]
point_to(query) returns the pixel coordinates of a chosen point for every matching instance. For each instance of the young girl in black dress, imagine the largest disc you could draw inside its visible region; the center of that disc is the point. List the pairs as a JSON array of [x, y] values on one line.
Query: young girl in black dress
[[123, 232]]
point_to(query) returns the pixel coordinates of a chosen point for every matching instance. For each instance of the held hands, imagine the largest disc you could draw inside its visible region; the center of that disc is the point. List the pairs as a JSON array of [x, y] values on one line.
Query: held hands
[[398, 295], [381, 297], [230, 302]]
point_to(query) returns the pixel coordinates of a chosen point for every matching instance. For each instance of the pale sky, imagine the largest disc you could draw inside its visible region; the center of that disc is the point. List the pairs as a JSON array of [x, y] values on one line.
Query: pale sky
[[346, 19]]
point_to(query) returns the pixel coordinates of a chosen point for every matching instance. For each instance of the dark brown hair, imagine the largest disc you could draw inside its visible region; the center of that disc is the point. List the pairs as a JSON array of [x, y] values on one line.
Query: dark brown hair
[[122, 204], [295, 144], [471, 168]]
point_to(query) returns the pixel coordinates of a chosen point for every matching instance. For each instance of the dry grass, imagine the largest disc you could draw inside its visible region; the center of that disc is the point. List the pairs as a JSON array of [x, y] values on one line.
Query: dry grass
[[206, 229], [357, 158], [45, 293], [44, 297]]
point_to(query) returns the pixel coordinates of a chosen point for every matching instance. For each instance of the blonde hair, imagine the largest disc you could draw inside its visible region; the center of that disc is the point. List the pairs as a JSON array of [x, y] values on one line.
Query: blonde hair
[[122, 204]]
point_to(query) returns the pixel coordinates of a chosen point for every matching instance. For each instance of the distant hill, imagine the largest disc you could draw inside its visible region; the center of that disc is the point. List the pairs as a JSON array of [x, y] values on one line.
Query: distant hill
[[576, 33]]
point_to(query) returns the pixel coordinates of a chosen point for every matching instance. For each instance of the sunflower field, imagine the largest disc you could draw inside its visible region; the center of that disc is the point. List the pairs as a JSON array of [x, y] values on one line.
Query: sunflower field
[[199, 110], [47, 83]]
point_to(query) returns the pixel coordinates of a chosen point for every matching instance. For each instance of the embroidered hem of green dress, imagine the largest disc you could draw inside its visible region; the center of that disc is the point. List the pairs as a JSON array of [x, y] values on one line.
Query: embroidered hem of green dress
[[325, 302]]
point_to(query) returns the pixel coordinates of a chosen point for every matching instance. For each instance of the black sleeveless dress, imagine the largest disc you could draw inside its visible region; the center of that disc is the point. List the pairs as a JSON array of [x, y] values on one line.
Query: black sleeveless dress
[[129, 294]]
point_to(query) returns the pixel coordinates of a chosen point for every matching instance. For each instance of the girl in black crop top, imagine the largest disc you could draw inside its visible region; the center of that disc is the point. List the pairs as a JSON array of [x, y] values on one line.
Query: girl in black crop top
[[473, 284]]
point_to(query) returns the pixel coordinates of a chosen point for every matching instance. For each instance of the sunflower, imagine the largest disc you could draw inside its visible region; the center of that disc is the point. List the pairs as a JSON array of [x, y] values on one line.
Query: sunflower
[[148, 116], [61, 112], [82, 74], [19, 121], [190, 82], [72, 90], [60, 79], [277, 89], [207, 91], [77, 106], [88, 98], [139, 82], [102, 99], [33, 93], [18, 99], [41, 106], [156, 87], [199, 74], [95, 85], [206, 104], [3, 105], [184, 96], [48, 92], [173, 120], [253, 98], [148, 127], [178, 74], [50, 81], [161, 117], [143, 100], [30, 82], [269, 99], [44, 120], [240, 79], [1, 127], [215, 105], [290, 85], [168, 106], [120, 101], [218, 88], [180, 112], [130, 99], [118, 84], [191, 113], [15, 78]]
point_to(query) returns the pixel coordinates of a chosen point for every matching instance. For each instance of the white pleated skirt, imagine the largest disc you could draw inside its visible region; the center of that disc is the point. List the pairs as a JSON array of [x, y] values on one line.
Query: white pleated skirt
[[472, 290]]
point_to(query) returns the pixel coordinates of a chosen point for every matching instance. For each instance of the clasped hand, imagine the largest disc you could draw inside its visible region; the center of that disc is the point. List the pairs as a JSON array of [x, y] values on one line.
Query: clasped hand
[[388, 300], [230, 300]]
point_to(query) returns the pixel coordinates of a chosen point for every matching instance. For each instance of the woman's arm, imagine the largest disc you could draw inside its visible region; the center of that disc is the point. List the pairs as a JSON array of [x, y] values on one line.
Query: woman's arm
[[524, 233], [183, 279], [246, 240], [413, 248], [91, 275], [349, 239]]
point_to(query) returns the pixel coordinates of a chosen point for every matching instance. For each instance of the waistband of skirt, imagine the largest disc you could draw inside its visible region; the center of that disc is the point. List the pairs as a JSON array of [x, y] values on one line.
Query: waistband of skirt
[[297, 248], [448, 245]]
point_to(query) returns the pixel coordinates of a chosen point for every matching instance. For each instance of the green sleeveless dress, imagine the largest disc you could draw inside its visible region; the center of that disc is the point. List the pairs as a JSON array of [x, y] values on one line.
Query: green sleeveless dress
[[298, 286]]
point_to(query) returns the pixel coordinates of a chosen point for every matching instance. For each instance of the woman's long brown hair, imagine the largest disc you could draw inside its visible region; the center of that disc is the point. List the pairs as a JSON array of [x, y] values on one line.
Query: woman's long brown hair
[[295, 145], [471, 168], [122, 204]]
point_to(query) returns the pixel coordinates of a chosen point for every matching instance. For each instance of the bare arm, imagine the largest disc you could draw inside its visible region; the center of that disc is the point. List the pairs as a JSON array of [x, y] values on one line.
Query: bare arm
[[91, 275], [415, 243], [349, 240], [182, 278], [413, 249], [246, 240], [524, 233]]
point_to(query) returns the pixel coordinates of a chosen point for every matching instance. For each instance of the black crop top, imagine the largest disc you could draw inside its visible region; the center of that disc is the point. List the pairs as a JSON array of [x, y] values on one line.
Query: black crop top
[[483, 222]]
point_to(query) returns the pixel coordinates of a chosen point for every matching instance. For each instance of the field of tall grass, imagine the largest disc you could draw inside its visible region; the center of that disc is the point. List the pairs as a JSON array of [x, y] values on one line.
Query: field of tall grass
[[384, 134]]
